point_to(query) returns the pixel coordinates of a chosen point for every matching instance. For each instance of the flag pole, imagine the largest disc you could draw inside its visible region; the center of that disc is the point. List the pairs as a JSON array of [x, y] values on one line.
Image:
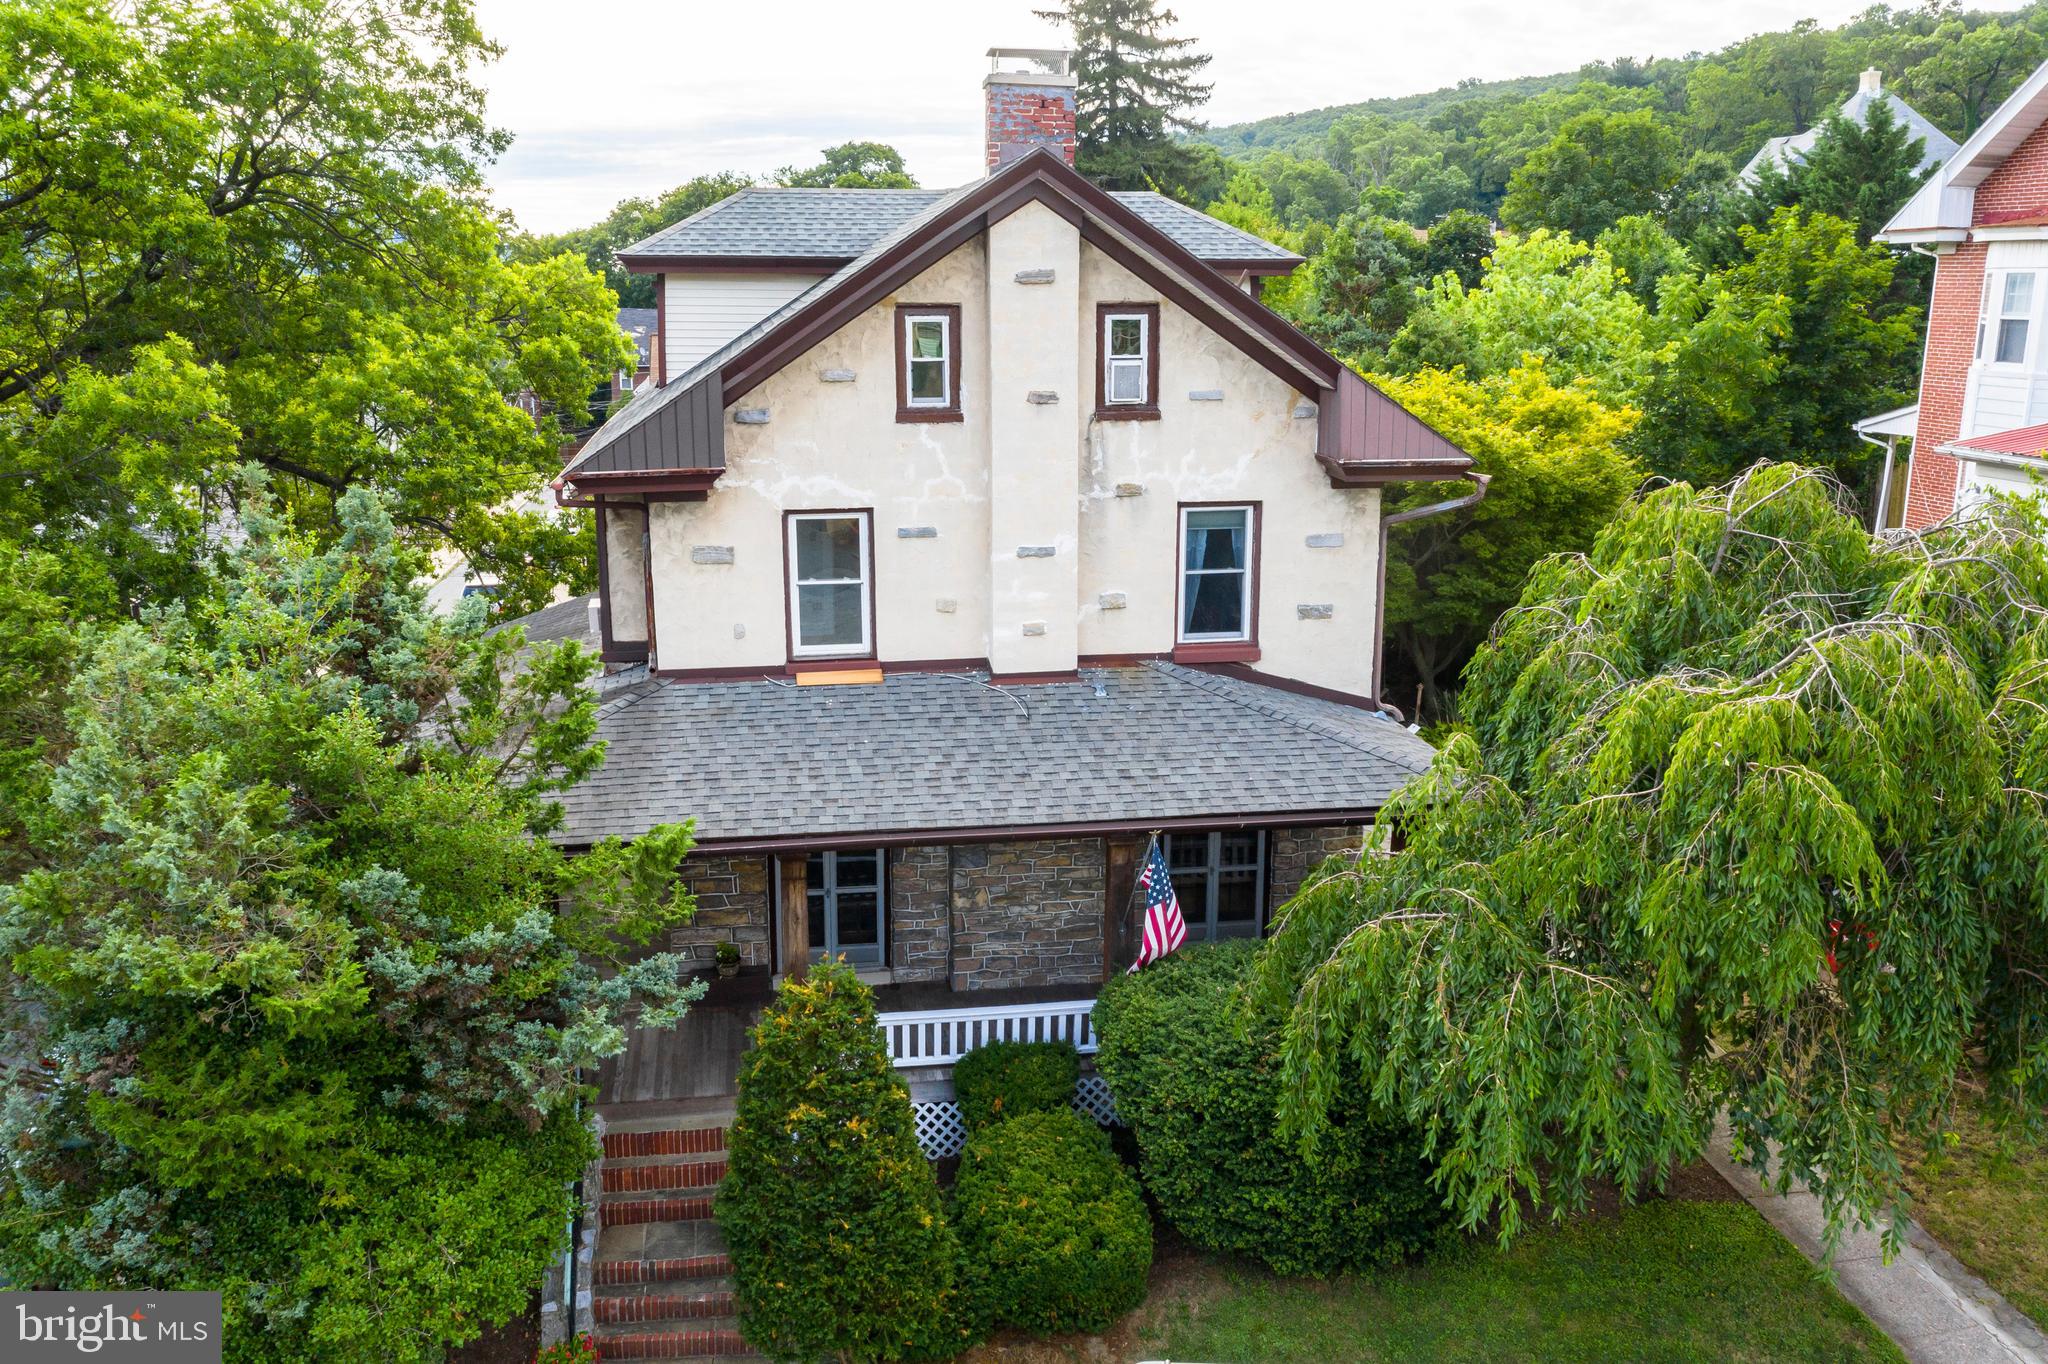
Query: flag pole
[[1137, 879]]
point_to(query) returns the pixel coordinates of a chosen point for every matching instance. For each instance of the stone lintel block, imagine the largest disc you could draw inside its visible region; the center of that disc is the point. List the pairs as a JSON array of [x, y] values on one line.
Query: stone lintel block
[[1329, 539], [1111, 601], [1205, 395], [835, 376], [1314, 611], [1034, 276], [751, 416], [710, 554], [917, 532], [1041, 397], [1037, 551]]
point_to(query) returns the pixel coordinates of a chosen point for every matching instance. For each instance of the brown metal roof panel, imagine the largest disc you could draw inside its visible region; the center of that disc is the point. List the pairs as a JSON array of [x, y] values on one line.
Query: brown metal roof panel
[[1361, 427]]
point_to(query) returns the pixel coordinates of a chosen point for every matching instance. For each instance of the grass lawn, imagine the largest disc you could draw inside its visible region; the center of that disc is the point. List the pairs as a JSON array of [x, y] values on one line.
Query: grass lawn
[[1663, 1281], [1986, 1200]]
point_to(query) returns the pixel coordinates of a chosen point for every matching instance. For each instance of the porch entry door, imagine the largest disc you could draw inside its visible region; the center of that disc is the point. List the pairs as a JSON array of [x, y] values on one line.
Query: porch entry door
[[1220, 881], [845, 891]]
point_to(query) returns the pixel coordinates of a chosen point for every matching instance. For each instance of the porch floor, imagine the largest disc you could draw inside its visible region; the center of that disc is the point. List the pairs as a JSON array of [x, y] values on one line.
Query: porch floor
[[692, 1067]]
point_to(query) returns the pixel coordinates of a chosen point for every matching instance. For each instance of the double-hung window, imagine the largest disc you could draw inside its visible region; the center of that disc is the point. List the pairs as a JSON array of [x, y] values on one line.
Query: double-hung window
[[2007, 316], [928, 362], [1220, 881], [1127, 364], [831, 587], [1216, 552], [845, 893]]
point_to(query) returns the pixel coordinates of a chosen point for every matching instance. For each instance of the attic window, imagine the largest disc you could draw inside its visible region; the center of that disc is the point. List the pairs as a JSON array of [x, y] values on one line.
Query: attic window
[[928, 363], [1127, 361]]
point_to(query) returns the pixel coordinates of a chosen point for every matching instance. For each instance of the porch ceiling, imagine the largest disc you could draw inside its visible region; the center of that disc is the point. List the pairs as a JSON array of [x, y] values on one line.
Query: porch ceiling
[[1147, 744]]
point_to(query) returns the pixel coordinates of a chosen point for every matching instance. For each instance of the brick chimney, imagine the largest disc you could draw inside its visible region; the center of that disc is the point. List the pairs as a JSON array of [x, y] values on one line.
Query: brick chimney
[[1029, 99]]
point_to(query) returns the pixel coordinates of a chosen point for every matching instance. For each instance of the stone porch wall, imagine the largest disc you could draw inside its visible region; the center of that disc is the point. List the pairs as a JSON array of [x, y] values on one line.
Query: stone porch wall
[[1027, 913], [732, 902], [920, 899], [1291, 854]]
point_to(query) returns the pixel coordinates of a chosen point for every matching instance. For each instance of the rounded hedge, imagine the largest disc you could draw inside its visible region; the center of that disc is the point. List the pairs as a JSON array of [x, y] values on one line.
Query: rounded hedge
[[1196, 1078], [1053, 1231], [1009, 1079], [831, 1214]]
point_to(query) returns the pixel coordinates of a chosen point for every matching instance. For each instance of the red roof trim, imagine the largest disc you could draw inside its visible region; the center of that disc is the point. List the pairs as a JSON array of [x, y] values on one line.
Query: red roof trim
[[2021, 440]]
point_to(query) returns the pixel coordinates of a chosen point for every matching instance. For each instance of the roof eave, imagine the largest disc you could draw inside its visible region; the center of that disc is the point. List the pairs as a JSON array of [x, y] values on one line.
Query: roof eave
[[1375, 473]]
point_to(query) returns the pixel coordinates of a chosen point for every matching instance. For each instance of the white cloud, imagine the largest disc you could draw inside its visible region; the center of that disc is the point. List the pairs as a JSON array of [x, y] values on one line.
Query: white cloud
[[671, 91]]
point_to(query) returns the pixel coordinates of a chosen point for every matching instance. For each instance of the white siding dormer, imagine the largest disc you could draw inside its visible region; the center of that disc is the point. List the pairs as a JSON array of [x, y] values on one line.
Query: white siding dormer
[[703, 312]]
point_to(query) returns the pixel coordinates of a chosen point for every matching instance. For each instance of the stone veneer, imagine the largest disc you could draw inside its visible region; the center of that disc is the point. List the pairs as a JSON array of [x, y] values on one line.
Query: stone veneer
[[920, 898], [1291, 854], [1027, 913], [732, 902]]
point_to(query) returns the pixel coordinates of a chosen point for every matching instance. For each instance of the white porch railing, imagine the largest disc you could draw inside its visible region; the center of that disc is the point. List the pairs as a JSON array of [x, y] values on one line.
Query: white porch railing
[[939, 1037]]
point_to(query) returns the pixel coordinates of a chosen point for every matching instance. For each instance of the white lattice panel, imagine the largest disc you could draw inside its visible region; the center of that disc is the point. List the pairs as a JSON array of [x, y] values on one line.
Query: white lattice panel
[[1092, 1099], [941, 1131]]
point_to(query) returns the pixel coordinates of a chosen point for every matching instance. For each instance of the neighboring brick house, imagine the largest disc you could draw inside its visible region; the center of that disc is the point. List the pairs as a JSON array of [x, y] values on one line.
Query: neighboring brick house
[[1982, 420], [963, 540]]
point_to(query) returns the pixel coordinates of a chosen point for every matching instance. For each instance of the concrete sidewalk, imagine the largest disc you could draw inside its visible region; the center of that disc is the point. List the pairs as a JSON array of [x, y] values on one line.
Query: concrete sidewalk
[[1936, 1310]]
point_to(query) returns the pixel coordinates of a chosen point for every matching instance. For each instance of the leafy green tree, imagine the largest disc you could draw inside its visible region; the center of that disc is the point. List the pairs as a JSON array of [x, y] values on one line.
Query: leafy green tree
[[1598, 169], [852, 165], [1514, 129], [1969, 70], [310, 986], [1558, 470], [1304, 191], [1139, 87], [1360, 290], [257, 231], [1459, 243], [1643, 251], [840, 1246], [1749, 827], [628, 222], [1780, 353], [1547, 296]]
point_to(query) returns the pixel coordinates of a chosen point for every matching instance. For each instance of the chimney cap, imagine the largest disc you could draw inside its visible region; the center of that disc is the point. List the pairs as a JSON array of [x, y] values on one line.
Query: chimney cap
[[1871, 82], [1038, 62]]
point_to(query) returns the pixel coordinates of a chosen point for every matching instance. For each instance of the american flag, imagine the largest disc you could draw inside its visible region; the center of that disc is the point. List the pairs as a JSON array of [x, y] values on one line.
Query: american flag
[[1164, 927]]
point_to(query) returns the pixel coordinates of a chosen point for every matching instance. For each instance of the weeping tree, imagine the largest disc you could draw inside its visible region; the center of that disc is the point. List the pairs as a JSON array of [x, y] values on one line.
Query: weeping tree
[[1753, 823]]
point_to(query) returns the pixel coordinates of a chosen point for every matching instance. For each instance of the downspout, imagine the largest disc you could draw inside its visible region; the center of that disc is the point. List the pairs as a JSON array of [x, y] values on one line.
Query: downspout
[[1379, 624], [1884, 480]]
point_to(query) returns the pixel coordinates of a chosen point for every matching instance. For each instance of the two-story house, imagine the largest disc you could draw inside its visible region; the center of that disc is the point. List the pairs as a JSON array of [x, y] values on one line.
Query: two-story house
[[1981, 425], [963, 540]]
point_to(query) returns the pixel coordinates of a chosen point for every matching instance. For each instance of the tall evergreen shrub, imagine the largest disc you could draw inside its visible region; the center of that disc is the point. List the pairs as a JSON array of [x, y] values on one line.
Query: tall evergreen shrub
[[839, 1244]]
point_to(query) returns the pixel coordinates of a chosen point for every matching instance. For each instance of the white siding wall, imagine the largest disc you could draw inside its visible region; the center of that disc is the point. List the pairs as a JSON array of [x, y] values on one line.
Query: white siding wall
[[703, 312], [2001, 397]]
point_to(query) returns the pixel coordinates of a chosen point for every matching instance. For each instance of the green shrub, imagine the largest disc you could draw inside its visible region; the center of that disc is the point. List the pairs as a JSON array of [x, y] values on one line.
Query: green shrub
[[1008, 1079], [1197, 1080], [1054, 1235], [839, 1243]]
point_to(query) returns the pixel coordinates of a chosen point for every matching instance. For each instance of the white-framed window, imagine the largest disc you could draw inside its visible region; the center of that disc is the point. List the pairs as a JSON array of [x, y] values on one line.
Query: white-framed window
[[1216, 574], [1220, 881], [1126, 359], [831, 592], [2005, 322], [927, 360], [847, 905]]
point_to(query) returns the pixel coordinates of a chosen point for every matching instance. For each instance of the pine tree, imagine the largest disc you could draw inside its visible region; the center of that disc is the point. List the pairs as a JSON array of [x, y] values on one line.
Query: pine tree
[[1138, 89], [1862, 174]]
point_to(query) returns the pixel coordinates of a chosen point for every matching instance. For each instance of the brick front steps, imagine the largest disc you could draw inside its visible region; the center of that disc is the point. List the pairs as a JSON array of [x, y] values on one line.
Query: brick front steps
[[661, 1288]]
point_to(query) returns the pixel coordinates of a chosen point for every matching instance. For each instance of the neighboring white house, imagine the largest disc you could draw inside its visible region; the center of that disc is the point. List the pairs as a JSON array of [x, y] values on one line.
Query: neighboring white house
[[1936, 146]]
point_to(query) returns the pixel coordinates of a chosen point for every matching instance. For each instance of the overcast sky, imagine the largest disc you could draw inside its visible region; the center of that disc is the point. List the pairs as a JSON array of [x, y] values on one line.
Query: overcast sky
[[606, 110]]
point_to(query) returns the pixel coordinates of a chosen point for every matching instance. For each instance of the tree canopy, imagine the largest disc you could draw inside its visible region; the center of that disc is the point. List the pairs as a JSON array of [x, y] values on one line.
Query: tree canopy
[[290, 925], [1139, 86], [1749, 825], [256, 231]]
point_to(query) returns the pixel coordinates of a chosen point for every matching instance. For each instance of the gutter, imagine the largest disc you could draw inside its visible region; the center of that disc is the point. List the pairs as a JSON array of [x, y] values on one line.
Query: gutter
[[2037, 464], [1379, 625]]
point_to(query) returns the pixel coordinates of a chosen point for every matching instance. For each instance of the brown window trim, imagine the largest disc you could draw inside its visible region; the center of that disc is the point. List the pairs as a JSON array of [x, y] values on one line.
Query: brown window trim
[[872, 652], [904, 411], [1244, 650], [1147, 411]]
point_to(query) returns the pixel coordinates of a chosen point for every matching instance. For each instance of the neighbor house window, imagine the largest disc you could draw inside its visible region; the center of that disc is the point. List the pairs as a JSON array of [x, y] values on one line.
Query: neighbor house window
[[831, 598], [845, 893], [1216, 574], [1220, 881], [2006, 316], [928, 362], [1127, 361]]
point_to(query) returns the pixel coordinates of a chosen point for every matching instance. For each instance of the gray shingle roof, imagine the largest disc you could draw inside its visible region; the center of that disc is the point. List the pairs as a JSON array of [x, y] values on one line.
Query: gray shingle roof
[[920, 751], [839, 223], [1936, 146], [564, 620]]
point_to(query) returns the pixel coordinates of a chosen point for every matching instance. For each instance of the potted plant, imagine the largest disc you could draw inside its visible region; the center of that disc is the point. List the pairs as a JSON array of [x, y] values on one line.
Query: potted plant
[[728, 959]]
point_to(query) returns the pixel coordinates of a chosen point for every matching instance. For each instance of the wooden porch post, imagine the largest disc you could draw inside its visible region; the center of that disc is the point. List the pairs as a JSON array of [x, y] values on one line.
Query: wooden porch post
[[1118, 885], [793, 925]]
